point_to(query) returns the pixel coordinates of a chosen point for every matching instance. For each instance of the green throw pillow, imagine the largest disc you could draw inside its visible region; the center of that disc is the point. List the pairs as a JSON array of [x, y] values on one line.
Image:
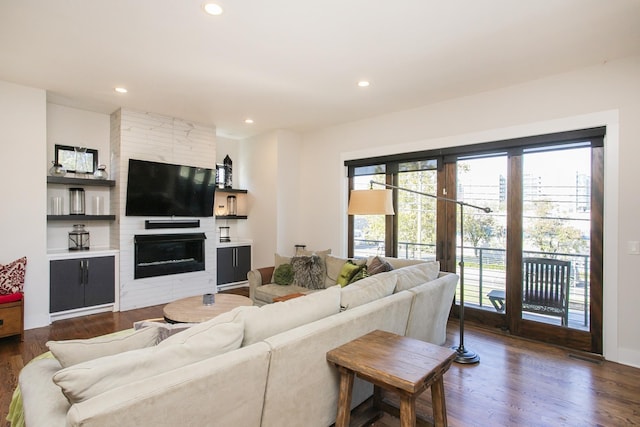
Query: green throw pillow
[[283, 274], [361, 274], [349, 269]]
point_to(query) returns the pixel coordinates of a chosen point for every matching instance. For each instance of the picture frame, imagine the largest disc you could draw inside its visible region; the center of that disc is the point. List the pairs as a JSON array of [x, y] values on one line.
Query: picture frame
[[76, 159]]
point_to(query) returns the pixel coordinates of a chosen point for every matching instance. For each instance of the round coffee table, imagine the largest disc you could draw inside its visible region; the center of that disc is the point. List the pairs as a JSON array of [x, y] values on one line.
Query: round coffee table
[[192, 310]]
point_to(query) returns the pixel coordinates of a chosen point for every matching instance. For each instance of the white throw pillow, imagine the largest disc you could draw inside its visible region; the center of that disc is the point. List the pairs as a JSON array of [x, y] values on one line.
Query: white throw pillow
[[72, 352], [272, 319], [334, 265], [368, 289], [278, 261], [92, 378], [414, 275]]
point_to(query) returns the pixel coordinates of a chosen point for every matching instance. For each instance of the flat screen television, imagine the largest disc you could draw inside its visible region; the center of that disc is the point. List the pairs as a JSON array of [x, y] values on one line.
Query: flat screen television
[[164, 189]]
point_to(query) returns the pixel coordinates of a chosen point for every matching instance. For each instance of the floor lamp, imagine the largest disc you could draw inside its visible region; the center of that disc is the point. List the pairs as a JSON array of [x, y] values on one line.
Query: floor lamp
[[380, 202]]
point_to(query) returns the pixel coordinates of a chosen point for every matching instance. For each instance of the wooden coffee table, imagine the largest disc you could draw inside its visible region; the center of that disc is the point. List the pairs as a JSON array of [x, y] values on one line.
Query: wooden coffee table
[[192, 310], [398, 364]]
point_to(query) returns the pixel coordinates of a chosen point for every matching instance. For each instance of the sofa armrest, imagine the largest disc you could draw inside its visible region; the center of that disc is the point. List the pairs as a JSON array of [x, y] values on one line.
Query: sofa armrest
[[259, 277]]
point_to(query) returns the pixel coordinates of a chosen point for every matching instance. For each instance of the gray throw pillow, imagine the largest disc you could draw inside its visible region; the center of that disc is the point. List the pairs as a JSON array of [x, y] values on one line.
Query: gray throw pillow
[[308, 271]]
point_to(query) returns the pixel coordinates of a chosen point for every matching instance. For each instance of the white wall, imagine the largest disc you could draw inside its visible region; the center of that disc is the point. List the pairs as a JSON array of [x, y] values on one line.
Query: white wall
[[23, 208], [271, 171], [606, 94]]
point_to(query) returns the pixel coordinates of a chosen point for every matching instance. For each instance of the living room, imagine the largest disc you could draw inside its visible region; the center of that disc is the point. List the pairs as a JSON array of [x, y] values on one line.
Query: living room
[[297, 178]]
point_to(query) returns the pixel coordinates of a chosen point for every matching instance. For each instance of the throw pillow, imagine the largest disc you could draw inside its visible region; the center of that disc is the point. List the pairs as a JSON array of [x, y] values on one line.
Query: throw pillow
[[349, 269], [283, 275], [361, 274], [378, 265], [94, 377], [165, 330], [367, 290], [279, 260], [72, 352], [12, 276], [414, 275], [308, 271]]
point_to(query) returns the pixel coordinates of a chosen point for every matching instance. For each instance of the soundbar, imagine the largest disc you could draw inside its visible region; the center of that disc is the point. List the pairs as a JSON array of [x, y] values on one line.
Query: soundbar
[[175, 223]]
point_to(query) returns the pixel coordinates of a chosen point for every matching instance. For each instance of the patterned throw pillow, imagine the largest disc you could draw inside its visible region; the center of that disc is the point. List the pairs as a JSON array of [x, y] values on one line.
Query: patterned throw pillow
[[349, 269], [308, 271], [12, 276], [378, 265], [361, 274]]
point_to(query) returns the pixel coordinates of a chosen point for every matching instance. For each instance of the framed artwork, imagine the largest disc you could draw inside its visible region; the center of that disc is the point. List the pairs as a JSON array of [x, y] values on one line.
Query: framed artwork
[[77, 159]]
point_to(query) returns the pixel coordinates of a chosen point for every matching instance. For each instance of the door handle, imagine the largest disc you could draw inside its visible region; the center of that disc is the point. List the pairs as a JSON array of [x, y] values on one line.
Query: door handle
[[86, 272]]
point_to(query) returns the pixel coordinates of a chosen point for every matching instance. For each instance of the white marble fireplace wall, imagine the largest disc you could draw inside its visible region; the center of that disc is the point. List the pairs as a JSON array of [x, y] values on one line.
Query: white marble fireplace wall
[[158, 138]]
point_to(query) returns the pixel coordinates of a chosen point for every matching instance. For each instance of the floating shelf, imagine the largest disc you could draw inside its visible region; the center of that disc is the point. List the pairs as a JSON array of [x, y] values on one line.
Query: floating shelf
[[231, 216], [81, 217], [231, 190], [80, 181]]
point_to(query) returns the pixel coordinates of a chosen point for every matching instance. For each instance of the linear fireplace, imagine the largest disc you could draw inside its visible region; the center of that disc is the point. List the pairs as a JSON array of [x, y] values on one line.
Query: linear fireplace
[[164, 254]]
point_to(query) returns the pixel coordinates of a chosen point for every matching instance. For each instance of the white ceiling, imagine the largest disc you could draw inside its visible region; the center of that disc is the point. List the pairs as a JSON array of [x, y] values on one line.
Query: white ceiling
[[295, 64]]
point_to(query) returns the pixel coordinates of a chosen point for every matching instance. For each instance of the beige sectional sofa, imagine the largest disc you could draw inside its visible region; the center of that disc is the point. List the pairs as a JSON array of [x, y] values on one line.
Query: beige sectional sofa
[[270, 369]]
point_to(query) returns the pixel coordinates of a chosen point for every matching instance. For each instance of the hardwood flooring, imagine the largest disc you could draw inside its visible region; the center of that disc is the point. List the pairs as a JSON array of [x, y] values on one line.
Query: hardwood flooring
[[517, 382]]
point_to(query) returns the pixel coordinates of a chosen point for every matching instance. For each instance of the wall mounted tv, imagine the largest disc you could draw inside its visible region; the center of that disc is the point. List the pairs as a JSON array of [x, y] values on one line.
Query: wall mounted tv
[[164, 189]]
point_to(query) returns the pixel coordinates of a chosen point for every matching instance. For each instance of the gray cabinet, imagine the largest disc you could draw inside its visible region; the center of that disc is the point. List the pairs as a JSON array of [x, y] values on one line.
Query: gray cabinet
[[81, 282], [233, 264]]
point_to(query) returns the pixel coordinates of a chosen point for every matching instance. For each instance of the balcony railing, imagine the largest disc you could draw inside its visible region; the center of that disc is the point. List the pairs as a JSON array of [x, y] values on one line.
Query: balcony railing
[[485, 270]]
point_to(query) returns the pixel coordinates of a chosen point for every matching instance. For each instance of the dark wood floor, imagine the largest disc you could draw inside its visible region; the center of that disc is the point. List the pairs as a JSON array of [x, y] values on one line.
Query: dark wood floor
[[516, 383]]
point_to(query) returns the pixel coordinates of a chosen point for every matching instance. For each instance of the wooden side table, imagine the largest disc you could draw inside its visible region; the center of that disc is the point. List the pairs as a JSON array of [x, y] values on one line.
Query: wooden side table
[[397, 364]]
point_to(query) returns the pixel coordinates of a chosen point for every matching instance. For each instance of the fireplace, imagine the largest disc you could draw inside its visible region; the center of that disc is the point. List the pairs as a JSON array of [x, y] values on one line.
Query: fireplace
[[164, 254]]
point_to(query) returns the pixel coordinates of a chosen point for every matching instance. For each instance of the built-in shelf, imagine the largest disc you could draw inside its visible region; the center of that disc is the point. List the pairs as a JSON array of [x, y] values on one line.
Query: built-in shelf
[[81, 217], [231, 216], [80, 181], [231, 190]]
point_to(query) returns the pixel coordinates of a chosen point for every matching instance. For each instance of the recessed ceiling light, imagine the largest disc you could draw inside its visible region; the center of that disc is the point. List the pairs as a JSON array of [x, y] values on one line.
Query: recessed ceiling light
[[248, 121], [363, 83], [121, 90], [212, 9]]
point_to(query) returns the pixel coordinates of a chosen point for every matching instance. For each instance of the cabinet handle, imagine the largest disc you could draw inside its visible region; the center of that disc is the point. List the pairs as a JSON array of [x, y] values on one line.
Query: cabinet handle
[[81, 272], [86, 272]]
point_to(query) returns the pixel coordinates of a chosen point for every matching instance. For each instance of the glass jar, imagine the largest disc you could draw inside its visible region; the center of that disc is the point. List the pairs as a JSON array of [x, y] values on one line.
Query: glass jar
[[78, 238], [101, 172], [232, 208], [57, 169]]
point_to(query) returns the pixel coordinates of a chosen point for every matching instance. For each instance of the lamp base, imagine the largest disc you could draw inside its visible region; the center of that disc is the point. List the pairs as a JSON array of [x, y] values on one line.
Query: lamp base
[[465, 356]]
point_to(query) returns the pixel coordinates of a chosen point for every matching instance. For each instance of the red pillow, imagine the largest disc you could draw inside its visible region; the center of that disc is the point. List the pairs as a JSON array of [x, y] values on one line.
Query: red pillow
[[4, 299], [12, 276]]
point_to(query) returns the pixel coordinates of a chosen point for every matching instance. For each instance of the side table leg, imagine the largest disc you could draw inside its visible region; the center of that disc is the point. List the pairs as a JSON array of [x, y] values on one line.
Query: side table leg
[[407, 410], [438, 402], [344, 399]]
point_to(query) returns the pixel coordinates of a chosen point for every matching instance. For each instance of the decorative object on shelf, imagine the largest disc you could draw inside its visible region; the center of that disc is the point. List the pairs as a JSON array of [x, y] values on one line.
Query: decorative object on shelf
[[78, 238], [220, 175], [299, 249], [221, 210], [209, 299], [224, 234], [57, 169], [98, 205], [76, 159], [101, 172], [76, 201], [228, 166], [232, 208], [56, 205]]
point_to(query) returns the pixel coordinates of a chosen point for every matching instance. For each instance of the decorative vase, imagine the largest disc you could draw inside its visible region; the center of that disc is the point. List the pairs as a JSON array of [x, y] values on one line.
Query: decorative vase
[[101, 172], [57, 170]]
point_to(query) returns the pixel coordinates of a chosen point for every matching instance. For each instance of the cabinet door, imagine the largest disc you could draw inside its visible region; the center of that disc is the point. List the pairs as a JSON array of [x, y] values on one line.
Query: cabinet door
[[100, 280], [66, 285], [242, 263], [225, 268]]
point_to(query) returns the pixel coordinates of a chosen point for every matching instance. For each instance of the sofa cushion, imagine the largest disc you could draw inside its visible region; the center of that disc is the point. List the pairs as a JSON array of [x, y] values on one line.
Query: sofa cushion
[[271, 319], [12, 276], [308, 271], [367, 290], [268, 292], [72, 352], [414, 275], [92, 378]]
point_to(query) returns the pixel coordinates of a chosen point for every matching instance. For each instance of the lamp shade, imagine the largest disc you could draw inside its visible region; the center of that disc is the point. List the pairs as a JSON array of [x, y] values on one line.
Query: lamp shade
[[371, 202]]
